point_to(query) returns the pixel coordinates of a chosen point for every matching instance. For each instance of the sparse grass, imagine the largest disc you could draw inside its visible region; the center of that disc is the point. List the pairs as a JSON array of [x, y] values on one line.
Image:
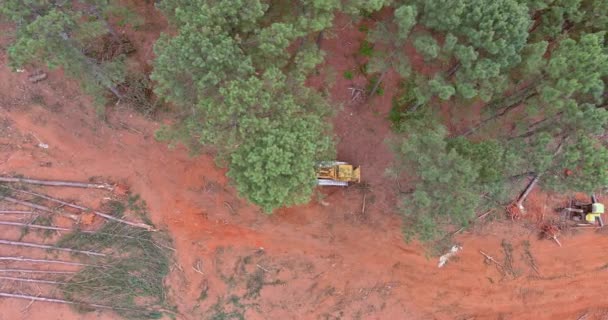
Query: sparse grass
[[256, 282], [4, 190], [348, 75], [528, 257], [245, 281], [38, 99], [507, 249], [44, 221], [366, 48], [204, 294], [133, 271], [236, 310]]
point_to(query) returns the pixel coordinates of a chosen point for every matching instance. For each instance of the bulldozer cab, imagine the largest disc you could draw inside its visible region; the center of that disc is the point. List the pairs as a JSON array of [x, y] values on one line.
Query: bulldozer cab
[[333, 173], [346, 172]]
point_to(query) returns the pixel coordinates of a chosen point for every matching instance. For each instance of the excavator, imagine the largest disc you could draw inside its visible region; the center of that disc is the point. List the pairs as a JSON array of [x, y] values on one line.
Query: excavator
[[586, 212], [337, 173]]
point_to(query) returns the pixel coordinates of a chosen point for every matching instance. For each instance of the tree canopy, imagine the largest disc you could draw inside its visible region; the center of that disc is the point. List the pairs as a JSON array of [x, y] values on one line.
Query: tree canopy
[[58, 35], [230, 61], [236, 71]]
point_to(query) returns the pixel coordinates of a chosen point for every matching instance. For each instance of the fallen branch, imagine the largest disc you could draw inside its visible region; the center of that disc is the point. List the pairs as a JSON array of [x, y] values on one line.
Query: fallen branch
[[40, 207], [227, 205], [363, 205], [356, 93], [458, 231], [68, 263], [15, 212], [485, 214], [75, 206], [37, 271], [31, 280], [37, 77], [44, 246], [556, 240], [489, 258], [197, 267], [58, 183], [535, 268], [37, 226], [377, 84]]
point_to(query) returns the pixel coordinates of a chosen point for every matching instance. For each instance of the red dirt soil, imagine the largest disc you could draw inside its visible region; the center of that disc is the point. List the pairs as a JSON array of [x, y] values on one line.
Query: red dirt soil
[[331, 260]]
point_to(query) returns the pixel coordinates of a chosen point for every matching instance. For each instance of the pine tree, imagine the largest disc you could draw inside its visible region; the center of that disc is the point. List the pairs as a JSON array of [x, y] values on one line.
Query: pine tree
[[427, 46], [57, 34], [443, 181], [229, 60]]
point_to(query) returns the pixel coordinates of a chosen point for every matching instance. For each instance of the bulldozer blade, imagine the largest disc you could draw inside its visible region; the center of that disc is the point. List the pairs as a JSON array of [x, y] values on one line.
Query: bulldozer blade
[[327, 182]]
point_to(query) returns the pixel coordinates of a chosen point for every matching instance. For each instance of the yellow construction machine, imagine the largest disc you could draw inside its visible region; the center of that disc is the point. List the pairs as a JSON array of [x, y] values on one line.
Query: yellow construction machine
[[336, 173], [586, 212]]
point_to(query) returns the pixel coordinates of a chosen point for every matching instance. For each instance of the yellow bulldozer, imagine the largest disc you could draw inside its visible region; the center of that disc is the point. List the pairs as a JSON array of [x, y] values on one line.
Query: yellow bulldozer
[[336, 173], [585, 212]]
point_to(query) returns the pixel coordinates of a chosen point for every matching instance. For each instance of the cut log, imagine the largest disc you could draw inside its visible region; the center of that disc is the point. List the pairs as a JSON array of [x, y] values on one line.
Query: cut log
[[79, 207], [31, 280], [67, 263], [36, 271], [526, 192], [16, 212], [40, 207], [37, 77], [58, 183], [33, 226], [37, 226], [489, 258], [44, 246]]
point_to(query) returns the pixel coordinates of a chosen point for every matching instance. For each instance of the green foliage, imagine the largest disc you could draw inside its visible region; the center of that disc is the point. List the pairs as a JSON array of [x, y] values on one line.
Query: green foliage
[[363, 7], [366, 49], [587, 160], [444, 184], [133, 272], [405, 18], [485, 37], [274, 169], [449, 43], [189, 65], [348, 75], [439, 87], [427, 46], [533, 61], [57, 35], [401, 102], [244, 93], [487, 155], [577, 67]]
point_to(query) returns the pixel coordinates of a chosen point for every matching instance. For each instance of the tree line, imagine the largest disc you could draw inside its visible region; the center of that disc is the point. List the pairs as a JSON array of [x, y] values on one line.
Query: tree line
[[236, 70]]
